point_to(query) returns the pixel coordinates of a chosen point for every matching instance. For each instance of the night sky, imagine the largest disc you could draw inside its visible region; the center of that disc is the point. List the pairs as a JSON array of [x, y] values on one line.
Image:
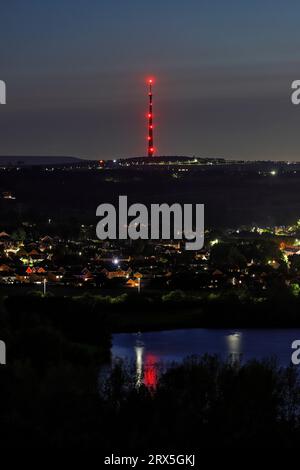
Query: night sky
[[76, 70]]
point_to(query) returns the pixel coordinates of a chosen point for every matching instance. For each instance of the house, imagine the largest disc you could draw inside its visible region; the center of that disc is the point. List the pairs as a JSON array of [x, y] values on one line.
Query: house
[[132, 283], [112, 273], [22, 275], [55, 276], [5, 268], [86, 275], [8, 277], [4, 236]]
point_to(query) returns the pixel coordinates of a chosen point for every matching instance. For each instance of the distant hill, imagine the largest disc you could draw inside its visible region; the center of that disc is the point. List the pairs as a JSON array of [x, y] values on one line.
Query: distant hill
[[36, 160]]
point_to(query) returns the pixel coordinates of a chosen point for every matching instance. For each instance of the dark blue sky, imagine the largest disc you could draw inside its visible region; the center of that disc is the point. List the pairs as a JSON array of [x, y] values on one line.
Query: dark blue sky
[[75, 73]]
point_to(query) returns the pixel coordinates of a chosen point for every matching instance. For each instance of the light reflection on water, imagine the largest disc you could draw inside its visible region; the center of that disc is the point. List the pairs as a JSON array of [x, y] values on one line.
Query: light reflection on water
[[153, 351], [147, 365], [234, 347]]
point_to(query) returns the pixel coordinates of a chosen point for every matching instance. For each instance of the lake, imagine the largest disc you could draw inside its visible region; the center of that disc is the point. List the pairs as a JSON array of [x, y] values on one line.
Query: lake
[[147, 350]]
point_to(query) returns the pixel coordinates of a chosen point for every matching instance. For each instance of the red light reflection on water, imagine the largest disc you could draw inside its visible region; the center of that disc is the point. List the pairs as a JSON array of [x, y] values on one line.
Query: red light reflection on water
[[151, 370]]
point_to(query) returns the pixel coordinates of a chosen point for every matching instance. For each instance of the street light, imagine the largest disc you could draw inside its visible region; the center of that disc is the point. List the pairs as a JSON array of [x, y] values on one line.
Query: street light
[[45, 286]]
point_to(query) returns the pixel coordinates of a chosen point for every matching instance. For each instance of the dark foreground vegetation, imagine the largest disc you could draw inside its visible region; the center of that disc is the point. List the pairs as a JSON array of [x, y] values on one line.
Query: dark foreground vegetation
[[51, 395], [85, 318], [202, 403]]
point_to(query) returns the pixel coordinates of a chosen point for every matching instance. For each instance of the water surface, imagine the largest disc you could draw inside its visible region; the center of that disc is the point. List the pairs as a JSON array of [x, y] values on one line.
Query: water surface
[[169, 346]]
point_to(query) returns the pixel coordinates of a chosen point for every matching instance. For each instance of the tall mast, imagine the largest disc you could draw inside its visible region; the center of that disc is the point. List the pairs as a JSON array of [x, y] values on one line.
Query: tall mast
[[150, 121]]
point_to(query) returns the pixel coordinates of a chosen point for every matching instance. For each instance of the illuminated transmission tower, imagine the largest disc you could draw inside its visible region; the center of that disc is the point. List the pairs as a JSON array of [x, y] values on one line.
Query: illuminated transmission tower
[[150, 122]]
